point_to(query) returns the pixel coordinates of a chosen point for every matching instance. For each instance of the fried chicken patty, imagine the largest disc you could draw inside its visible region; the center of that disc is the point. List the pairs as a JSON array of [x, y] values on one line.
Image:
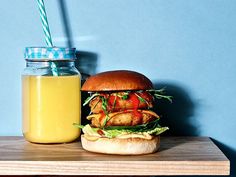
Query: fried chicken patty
[[118, 102], [123, 118]]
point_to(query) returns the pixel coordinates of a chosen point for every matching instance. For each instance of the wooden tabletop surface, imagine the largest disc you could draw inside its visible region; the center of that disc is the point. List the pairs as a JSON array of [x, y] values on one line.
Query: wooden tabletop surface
[[176, 156]]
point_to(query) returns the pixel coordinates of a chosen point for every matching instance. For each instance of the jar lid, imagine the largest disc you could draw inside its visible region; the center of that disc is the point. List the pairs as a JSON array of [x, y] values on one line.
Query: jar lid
[[49, 53]]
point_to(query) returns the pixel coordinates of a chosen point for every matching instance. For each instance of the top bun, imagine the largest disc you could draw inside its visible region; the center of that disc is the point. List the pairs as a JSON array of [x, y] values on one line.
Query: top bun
[[117, 80]]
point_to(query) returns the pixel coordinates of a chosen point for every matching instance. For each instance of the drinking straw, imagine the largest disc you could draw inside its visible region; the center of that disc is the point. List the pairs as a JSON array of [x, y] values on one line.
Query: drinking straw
[[46, 31]]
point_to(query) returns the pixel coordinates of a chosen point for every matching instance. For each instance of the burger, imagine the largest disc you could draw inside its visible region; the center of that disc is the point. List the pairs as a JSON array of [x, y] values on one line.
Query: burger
[[121, 116]]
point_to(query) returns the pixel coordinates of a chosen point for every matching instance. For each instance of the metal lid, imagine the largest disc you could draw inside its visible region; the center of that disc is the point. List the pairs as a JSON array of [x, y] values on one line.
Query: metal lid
[[49, 53]]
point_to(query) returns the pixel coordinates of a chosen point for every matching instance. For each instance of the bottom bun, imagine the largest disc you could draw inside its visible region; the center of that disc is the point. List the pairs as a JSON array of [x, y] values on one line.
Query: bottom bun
[[124, 146]]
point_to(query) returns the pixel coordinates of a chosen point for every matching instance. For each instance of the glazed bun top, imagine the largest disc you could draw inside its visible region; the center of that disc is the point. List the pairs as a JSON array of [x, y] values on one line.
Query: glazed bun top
[[117, 81]]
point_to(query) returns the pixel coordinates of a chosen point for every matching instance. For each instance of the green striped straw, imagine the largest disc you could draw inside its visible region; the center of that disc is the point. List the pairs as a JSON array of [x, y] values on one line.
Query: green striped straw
[[46, 31]]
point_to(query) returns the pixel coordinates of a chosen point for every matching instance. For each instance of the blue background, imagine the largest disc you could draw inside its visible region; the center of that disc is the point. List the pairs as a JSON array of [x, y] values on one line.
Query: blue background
[[188, 46]]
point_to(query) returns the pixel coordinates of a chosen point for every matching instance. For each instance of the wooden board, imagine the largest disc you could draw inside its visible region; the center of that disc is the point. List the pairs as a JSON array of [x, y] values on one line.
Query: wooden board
[[177, 156]]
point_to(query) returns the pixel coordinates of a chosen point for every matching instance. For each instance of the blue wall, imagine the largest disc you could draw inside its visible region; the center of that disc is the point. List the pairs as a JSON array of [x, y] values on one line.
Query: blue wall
[[188, 46]]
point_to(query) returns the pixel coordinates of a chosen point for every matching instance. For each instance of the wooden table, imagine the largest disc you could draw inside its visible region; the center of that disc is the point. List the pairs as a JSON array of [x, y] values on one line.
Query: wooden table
[[177, 156]]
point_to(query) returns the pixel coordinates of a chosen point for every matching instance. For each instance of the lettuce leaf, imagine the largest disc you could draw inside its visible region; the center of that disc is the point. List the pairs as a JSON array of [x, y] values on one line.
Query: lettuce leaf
[[151, 128], [137, 128], [115, 133], [157, 131]]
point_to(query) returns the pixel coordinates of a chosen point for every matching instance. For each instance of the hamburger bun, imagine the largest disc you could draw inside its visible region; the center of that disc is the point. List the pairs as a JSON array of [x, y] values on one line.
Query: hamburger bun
[[121, 121], [122, 146], [117, 80]]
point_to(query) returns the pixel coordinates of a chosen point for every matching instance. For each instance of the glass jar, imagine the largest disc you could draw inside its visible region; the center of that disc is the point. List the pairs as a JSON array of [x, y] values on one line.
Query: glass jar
[[51, 100]]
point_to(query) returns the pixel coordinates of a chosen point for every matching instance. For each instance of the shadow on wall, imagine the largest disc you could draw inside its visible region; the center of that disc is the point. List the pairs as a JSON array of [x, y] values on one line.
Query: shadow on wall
[[178, 115], [87, 61]]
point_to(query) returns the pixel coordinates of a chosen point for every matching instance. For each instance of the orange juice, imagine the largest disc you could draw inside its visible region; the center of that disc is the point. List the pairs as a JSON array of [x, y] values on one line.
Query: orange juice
[[51, 104]]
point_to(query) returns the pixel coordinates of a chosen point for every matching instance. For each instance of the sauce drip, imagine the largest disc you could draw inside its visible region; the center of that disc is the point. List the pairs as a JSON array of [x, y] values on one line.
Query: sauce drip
[[101, 116], [100, 132], [134, 99], [137, 119], [112, 102]]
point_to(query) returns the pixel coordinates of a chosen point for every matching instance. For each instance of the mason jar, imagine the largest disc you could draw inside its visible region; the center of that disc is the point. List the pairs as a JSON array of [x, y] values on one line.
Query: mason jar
[[51, 99]]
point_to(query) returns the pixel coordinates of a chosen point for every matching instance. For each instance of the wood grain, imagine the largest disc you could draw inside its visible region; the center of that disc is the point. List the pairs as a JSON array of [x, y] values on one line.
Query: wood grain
[[177, 156]]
